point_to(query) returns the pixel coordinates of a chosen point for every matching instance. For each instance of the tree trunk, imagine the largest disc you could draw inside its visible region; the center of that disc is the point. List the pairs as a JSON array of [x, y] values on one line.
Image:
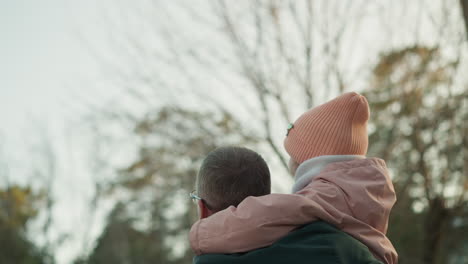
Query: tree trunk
[[436, 217], [464, 7]]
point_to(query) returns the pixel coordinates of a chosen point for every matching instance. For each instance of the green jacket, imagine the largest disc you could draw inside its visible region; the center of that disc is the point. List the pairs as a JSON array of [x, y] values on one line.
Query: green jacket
[[315, 243]]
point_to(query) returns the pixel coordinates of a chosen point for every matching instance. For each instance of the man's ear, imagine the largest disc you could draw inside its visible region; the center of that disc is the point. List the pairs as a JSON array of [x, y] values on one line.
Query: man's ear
[[203, 211]]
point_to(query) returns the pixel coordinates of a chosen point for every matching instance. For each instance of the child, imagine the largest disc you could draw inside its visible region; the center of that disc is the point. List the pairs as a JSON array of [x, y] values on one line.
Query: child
[[334, 182]]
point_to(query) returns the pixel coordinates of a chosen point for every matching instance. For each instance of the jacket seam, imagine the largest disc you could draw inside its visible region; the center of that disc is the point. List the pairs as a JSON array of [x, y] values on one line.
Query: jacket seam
[[357, 167]]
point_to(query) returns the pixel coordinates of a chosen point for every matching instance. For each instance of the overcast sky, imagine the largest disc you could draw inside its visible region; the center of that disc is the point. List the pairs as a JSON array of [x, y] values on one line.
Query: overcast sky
[[42, 66], [47, 75], [42, 60]]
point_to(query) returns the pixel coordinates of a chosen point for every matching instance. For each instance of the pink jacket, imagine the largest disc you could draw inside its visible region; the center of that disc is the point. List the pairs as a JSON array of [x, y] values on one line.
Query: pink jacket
[[356, 196]]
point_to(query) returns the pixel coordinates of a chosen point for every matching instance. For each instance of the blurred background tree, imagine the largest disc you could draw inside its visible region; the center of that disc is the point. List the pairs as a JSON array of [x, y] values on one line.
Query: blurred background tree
[[26, 209], [420, 128], [151, 221], [197, 76], [268, 61], [19, 205]]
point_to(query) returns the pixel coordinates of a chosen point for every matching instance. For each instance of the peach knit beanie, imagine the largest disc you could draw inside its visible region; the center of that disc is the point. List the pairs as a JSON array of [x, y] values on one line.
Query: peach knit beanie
[[338, 127]]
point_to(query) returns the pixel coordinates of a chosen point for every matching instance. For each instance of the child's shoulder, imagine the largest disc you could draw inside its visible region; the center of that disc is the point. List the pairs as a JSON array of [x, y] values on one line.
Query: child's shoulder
[[356, 163]]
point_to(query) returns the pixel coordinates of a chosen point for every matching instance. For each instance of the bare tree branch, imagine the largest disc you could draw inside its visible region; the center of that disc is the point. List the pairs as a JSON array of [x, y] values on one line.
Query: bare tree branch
[[464, 7]]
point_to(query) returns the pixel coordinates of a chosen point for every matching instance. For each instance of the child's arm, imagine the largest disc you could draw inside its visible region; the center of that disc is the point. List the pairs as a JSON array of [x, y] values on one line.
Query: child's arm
[[256, 222]]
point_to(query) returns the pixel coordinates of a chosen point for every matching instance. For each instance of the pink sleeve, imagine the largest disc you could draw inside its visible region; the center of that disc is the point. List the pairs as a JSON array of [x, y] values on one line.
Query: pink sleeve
[[256, 222]]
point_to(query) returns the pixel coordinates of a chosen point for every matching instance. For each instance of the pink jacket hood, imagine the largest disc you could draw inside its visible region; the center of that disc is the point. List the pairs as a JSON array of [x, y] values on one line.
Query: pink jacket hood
[[356, 196]]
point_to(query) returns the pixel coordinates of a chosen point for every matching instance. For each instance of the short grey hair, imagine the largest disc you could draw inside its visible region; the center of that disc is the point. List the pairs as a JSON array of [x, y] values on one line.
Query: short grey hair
[[228, 175]]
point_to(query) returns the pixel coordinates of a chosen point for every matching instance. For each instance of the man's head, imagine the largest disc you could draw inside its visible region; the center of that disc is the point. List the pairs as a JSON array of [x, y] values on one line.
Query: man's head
[[228, 175]]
